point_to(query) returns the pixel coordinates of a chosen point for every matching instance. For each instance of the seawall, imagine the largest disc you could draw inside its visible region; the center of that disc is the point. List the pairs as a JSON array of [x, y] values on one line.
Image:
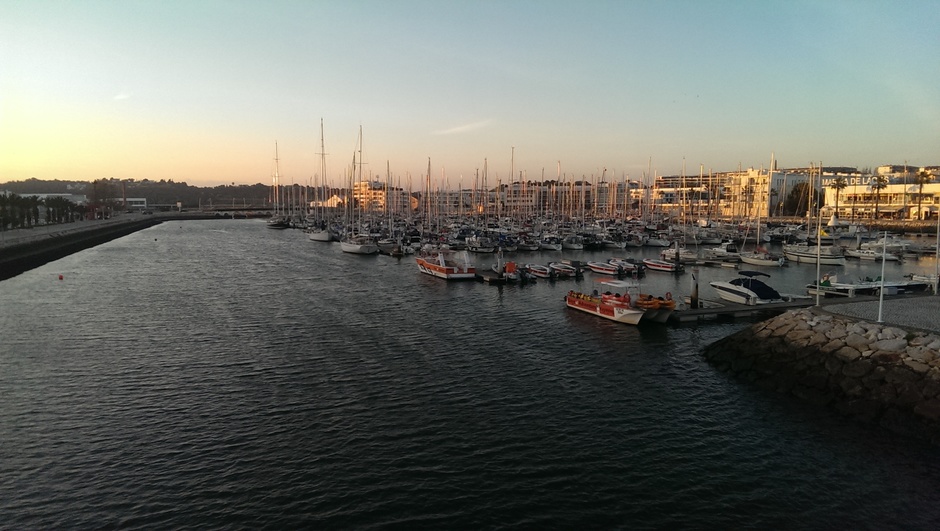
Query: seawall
[[42, 246], [877, 373]]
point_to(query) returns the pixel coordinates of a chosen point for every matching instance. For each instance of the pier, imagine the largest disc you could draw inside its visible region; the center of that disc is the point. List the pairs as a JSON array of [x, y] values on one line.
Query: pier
[[728, 310]]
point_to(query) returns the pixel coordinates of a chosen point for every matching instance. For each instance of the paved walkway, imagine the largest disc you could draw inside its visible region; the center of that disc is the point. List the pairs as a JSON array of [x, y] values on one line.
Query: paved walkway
[[9, 238], [921, 312]]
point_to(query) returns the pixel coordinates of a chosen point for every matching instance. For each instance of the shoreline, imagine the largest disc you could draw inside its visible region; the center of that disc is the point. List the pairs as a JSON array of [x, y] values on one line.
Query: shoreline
[[25, 249]]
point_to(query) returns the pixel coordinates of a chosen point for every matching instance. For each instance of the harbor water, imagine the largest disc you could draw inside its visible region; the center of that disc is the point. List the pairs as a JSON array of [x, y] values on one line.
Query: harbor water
[[220, 374]]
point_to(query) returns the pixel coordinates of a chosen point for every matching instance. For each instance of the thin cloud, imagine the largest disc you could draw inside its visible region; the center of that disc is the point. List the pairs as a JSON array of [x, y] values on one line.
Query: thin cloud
[[463, 128], [122, 96]]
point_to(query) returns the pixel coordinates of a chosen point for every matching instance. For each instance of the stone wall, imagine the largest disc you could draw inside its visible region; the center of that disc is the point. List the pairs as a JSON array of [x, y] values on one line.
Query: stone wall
[[41, 250], [874, 372]]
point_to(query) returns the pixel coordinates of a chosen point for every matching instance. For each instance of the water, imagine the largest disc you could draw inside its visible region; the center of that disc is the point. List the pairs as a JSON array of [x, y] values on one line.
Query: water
[[220, 374]]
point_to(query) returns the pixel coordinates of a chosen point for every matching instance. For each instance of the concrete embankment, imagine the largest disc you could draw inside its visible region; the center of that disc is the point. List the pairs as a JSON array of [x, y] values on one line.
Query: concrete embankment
[[877, 373], [45, 245]]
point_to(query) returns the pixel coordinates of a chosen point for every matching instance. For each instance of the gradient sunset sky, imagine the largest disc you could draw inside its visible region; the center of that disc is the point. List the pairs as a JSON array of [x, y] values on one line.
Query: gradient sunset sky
[[199, 91]]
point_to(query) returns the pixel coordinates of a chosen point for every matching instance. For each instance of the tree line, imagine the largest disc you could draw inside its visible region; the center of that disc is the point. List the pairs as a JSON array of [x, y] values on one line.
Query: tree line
[[18, 211]]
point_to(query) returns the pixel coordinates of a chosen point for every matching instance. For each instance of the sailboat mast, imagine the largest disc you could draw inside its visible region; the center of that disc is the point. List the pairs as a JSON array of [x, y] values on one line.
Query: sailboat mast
[[322, 192], [277, 183]]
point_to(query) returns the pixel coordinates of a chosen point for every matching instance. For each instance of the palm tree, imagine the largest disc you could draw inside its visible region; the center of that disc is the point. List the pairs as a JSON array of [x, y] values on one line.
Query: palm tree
[[838, 184], [878, 184], [923, 177]]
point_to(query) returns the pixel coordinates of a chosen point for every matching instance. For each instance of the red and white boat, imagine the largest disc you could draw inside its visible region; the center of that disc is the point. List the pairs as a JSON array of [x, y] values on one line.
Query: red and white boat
[[444, 262], [663, 265], [616, 307], [562, 270], [629, 265], [539, 270], [605, 268]]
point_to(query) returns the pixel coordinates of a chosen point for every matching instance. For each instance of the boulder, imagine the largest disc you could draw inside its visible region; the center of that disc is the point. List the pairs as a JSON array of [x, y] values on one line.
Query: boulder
[[917, 366], [832, 346], [891, 345], [857, 341], [847, 353], [857, 368]]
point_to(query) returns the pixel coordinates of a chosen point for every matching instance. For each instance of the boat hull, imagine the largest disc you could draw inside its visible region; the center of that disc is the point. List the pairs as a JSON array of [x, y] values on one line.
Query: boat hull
[[662, 265], [359, 248], [620, 313], [447, 264], [760, 259], [320, 236], [604, 269]]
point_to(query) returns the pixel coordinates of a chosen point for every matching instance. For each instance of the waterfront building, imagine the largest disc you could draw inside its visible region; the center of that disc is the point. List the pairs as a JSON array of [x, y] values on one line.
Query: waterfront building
[[884, 195], [374, 196]]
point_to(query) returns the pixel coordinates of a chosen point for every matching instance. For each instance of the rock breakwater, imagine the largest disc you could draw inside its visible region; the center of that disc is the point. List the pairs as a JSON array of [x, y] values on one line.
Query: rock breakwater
[[871, 371]]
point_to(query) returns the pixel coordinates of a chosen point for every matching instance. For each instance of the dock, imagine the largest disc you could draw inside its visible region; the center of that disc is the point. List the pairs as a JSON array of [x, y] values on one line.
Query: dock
[[721, 309], [491, 277]]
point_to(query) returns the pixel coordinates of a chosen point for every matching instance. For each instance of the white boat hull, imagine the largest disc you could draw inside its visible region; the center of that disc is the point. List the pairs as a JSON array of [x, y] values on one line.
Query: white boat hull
[[359, 248], [620, 313], [320, 236]]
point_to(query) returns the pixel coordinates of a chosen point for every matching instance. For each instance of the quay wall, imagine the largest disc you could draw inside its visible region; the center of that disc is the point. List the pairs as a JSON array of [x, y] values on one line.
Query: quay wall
[[44, 248], [874, 372]]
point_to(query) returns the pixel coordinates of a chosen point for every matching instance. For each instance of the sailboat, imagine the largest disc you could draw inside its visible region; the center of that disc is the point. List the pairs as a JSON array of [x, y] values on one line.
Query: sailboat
[[760, 256], [321, 233], [355, 242], [278, 219]]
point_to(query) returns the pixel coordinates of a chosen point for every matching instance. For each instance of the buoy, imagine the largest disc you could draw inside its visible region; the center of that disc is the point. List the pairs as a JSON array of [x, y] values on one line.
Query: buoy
[[60, 277]]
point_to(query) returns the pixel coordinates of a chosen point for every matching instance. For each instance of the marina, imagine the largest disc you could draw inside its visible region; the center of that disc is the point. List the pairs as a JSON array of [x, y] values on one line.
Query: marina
[[469, 265], [360, 377]]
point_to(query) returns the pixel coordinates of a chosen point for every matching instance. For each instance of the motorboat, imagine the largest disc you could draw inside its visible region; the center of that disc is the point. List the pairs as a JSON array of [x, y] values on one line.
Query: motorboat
[[830, 286], [605, 268], [562, 270], [654, 264], [726, 251], [539, 270], [444, 262], [682, 254], [808, 254], [625, 306], [871, 254], [629, 265], [747, 289], [507, 271]]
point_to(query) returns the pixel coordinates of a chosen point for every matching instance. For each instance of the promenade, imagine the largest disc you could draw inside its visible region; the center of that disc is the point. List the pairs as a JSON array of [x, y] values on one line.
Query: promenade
[[921, 312], [15, 237]]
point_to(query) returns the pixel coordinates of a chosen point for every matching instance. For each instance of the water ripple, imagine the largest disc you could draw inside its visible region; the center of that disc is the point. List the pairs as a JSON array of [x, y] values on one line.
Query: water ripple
[[217, 374]]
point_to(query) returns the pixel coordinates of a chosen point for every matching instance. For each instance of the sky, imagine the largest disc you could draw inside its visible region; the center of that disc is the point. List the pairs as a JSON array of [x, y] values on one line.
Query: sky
[[202, 91]]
